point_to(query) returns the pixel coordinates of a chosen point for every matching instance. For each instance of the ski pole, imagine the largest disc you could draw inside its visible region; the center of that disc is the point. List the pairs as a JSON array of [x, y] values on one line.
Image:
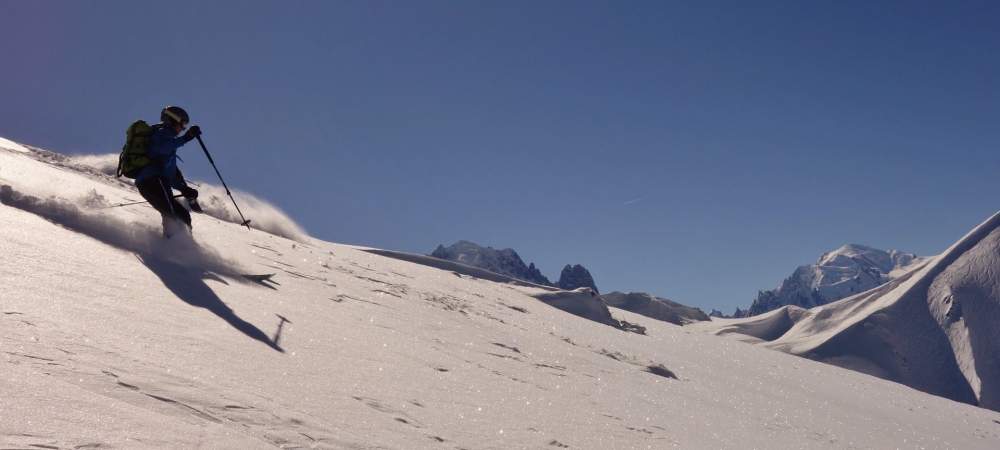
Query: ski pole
[[133, 203], [246, 222]]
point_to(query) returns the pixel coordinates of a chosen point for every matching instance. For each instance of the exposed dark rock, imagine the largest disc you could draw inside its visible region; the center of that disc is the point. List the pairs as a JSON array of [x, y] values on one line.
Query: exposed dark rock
[[658, 369], [576, 276], [534, 275], [632, 328]]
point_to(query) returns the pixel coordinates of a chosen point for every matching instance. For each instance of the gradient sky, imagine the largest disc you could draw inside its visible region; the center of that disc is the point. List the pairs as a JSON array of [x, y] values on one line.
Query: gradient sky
[[698, 151]]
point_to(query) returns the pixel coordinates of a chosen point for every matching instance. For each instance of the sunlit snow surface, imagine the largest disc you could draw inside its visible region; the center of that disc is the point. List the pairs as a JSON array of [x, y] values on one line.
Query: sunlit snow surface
[[130, 342], [6, 144]]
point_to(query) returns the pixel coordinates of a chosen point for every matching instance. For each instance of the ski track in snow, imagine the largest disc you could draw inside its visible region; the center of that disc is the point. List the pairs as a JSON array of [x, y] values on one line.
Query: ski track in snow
[[104, 349]]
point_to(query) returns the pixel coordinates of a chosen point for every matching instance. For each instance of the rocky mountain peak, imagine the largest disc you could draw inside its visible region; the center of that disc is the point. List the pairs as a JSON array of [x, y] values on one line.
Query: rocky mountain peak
[[576, 276]]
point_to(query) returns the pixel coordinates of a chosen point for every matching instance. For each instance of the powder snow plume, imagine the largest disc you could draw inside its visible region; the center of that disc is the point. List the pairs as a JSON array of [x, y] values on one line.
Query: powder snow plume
[[263, 215], [138, 238], [106, 163]]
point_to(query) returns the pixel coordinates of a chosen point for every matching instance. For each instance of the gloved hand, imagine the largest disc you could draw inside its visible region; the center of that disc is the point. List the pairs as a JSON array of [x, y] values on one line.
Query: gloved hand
[[192, 132], [189, 192]]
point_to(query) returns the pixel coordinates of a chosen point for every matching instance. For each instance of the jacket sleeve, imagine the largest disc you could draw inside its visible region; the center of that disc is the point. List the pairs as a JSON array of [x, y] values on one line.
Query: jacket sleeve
[[163, 146]]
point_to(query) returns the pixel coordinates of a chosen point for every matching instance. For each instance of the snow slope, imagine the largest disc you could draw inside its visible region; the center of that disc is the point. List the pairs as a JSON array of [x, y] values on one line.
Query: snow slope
[[935, 328], [6, 144], [113, 338], [655, 307]]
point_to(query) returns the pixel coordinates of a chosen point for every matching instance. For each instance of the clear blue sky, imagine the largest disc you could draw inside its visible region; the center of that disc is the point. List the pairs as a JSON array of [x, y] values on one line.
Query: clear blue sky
[[697, 151]]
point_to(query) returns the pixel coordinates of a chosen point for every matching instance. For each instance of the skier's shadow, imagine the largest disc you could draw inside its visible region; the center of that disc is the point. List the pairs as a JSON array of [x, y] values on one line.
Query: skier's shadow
[[188, 284]]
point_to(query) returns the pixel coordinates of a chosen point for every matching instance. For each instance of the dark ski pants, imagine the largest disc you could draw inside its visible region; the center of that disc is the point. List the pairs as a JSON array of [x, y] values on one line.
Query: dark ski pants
[[158, 193]]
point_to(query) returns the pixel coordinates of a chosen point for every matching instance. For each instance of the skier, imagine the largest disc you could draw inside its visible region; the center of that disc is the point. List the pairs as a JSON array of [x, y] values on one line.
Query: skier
[[157, 180]]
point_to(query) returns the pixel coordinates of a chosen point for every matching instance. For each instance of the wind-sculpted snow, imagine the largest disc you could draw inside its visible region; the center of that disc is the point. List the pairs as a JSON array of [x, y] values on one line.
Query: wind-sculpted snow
[[965, 302], [139, 238], [582, 302], [768, 326], [655, 307], [936, 328]]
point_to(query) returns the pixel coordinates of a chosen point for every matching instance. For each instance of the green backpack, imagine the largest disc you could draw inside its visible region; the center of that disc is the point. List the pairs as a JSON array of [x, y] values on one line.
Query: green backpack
[[134, 157]]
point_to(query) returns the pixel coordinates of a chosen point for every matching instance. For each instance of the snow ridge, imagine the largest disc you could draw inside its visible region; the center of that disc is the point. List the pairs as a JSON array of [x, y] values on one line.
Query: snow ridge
[[935, 328]]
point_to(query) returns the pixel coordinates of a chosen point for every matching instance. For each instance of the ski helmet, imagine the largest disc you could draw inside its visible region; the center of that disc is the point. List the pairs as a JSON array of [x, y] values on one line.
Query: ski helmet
[[175, 114]]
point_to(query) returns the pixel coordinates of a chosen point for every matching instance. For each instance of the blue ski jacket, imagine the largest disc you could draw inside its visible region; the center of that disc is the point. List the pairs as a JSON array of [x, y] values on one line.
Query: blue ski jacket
[[163, 145]]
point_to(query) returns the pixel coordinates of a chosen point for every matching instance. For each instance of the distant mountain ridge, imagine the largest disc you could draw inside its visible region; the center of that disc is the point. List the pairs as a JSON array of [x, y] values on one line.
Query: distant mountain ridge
[[505, 261], [840, 273], [573, 277], [508, 262]]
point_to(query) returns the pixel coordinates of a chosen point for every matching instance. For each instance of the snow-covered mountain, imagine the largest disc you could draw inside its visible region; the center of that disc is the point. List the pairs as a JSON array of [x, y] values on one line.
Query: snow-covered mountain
[[116, 338], [508, 262], [840, 273], [505, 261], [935, 328]]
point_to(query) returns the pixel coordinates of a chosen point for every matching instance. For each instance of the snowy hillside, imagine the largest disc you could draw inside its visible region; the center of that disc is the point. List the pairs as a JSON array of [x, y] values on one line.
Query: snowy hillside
[[115, 338], [935, 328], [840, 273], [655, 307]]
